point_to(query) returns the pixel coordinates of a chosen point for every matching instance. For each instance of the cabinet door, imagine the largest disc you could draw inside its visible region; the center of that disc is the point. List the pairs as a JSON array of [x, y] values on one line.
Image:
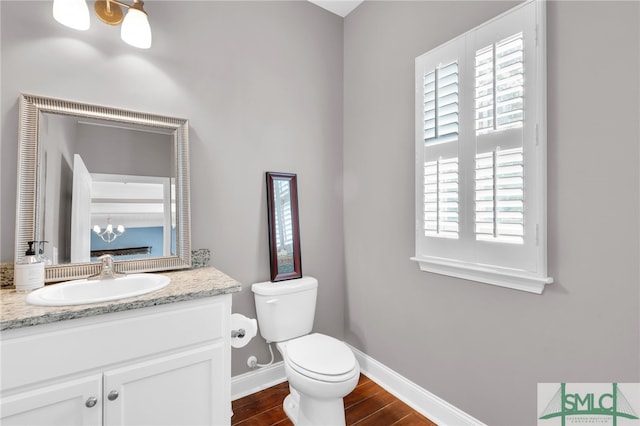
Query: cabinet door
[[70, 403], [180, 389]]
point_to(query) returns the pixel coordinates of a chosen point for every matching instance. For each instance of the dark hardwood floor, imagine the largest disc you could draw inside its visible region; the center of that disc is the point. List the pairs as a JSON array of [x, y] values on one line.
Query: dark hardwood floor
[[368, 404]]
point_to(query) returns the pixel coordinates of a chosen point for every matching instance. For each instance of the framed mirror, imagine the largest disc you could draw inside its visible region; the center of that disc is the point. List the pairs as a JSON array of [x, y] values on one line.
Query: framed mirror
[[284, 230], [94, 180]]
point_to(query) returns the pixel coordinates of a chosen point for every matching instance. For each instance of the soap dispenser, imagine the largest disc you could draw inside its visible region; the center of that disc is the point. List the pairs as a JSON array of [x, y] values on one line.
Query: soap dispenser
[[29, 273]]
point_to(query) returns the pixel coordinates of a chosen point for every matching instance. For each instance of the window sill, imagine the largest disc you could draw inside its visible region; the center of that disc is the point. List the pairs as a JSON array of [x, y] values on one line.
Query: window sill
[[485, 274]]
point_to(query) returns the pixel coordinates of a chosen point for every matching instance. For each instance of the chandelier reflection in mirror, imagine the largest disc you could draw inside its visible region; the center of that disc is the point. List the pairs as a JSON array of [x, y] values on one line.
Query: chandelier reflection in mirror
[[135, 28], [108, 235]]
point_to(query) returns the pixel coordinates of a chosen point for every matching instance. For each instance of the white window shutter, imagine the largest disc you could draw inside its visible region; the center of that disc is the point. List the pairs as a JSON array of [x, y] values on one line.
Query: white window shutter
[[441, 104], [481, 153], [499, 173], [441, 198], [499, 88], [485, 90], [441, 124], [499, 196], [509, 82]]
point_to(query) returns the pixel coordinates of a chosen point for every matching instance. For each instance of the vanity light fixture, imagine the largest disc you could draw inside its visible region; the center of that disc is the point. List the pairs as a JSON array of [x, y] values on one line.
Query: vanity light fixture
[[108, 235], [72, 13], [135, 28]]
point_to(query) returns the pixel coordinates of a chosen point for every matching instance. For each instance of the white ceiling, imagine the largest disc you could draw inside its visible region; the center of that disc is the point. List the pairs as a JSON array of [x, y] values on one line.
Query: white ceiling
[[339, 7]]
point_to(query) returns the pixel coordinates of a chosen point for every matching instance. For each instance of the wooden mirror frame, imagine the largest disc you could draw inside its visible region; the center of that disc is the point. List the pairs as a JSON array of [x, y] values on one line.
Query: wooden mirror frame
[[276, 275]]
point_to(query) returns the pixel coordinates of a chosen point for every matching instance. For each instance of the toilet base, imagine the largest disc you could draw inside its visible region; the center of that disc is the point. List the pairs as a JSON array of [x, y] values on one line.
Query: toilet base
[[304, 410], [290, 406]]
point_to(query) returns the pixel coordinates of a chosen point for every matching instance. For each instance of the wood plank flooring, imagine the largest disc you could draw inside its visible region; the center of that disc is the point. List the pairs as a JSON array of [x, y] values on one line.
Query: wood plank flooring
[[368, 404]]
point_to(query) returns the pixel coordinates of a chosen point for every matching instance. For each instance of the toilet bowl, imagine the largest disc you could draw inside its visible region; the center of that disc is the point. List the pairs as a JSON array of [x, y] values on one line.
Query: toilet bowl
[[321, 370]]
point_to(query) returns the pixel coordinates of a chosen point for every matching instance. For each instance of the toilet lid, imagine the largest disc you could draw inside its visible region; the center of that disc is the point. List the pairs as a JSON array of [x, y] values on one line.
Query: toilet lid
[[320, 354]]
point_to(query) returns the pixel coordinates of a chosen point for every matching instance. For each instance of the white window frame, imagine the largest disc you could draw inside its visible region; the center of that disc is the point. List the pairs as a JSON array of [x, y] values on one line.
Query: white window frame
[[517, 266]]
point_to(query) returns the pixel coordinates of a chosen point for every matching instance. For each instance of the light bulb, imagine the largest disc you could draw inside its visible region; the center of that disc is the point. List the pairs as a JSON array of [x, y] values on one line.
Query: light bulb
[[109, 228], [72, 13], [96, 229], [135, 29], [120, 229]]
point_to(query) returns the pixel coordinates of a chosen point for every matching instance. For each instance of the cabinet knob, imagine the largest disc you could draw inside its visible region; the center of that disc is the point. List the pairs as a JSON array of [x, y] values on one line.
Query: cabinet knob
[[113, 395], [92, 401]]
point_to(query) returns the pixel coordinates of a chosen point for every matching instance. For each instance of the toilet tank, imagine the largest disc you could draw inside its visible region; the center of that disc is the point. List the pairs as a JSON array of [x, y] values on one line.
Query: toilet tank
[[285, 309]]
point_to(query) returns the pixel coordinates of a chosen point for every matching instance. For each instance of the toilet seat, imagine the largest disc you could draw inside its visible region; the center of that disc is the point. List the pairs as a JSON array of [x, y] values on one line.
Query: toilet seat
[[321, 357]]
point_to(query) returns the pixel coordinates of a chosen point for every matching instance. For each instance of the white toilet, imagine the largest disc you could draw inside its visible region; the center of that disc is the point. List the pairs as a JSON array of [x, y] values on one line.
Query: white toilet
[[321, 370]]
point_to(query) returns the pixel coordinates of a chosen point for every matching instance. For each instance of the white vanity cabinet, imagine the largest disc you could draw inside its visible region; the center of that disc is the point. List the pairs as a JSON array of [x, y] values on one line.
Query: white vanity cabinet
[[162, 365]]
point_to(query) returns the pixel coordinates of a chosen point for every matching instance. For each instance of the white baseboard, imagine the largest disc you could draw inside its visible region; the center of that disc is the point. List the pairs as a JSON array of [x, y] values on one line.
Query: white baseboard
[[421, 400], [256, 380]]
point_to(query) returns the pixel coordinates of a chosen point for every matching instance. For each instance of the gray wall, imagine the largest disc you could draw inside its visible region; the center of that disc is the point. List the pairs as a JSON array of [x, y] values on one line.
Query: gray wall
[[261, 84], [115, 150], [481, 347]]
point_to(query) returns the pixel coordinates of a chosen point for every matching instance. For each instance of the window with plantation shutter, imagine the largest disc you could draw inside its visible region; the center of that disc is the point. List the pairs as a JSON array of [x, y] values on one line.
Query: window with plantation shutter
[[481, 153]]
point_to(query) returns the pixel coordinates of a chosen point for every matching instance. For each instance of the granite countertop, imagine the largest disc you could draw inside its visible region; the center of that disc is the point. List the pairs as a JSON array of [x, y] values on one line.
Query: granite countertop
[[185, 285]]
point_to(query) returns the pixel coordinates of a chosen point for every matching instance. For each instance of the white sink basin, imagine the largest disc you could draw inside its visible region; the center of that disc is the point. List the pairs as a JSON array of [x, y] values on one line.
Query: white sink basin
[[80, 292]]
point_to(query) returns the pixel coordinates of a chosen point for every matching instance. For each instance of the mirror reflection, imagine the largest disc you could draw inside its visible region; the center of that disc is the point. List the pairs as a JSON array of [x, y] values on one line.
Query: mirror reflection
[[284, 235], [133, 216], [109, 189]]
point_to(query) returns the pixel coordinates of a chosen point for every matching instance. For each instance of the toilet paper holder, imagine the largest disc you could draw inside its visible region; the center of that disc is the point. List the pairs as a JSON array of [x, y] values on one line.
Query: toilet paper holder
[[242, 330], [238, 333]]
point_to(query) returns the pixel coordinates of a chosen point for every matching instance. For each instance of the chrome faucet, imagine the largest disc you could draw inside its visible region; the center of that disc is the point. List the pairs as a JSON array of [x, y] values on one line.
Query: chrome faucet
[[106, 269]]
